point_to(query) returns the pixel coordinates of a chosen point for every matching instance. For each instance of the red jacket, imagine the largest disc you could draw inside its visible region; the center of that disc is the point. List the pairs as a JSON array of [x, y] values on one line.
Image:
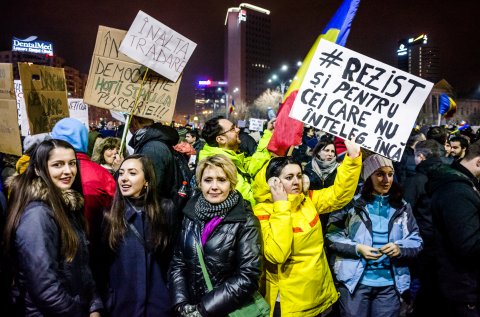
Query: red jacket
[[98, 189]]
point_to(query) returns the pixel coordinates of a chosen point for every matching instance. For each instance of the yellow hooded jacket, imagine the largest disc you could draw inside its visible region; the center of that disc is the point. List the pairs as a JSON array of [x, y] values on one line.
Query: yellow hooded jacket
[[295, 262], [245, 165]]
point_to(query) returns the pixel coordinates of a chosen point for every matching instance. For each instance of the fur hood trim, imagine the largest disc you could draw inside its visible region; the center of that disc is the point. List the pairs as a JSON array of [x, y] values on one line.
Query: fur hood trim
[[38, 189]]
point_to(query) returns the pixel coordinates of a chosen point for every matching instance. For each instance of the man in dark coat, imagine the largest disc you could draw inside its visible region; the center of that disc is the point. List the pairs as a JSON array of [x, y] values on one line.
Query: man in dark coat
[[427, 156], [155, 140], [455, 207]]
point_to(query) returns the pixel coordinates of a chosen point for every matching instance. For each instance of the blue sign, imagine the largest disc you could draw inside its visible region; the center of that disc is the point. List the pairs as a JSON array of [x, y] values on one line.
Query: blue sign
[[32, 45]]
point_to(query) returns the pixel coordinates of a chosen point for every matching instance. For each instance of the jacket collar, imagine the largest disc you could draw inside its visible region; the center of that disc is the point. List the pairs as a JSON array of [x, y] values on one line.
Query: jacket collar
[[132, 205]]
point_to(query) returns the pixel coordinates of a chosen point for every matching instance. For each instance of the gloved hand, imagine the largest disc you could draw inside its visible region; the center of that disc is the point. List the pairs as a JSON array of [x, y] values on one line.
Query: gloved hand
[[189, 311]]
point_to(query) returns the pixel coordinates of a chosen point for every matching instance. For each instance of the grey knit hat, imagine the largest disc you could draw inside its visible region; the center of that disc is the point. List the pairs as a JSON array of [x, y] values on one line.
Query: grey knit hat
[[374, 162]]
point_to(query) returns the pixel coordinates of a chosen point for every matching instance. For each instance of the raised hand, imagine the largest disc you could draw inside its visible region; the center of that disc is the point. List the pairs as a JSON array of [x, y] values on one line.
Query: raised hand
[[277, 189], [353, 149]]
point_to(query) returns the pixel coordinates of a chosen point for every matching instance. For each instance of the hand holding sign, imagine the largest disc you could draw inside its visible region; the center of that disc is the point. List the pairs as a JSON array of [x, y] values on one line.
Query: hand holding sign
[[353, 148]]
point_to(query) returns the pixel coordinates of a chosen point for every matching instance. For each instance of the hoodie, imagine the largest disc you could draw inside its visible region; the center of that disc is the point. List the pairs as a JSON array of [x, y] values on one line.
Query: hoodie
[[72, 131], [156, 141]]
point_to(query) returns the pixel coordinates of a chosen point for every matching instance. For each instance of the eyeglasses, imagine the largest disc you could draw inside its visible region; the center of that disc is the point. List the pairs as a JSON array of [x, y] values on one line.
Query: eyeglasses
[[231, 129]]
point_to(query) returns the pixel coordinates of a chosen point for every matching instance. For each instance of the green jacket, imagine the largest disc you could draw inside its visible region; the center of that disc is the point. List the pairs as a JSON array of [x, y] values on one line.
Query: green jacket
[[247, 167]]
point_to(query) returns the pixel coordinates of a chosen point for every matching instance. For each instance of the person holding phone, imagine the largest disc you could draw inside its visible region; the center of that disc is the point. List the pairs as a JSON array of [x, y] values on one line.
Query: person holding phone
[[106, 153], [298, 280], [371, 238]]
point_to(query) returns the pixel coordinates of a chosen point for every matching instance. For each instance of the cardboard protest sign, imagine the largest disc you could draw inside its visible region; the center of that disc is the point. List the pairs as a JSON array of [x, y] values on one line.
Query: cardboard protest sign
[[45, 92], [10, 141], [157, 46], [21, 108], [114, 81], [256, 124], [78, 110], [345, 93]]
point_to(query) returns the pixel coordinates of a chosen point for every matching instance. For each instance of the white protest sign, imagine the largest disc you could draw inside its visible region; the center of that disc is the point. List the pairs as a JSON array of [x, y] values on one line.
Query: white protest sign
[[78, 110], [157, 46], [241, 123], [346, 93], [21, 108], [256, 124]]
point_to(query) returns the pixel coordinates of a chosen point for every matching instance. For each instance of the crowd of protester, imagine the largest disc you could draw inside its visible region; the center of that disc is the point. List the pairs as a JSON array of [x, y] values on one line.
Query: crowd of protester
[[199, 223]]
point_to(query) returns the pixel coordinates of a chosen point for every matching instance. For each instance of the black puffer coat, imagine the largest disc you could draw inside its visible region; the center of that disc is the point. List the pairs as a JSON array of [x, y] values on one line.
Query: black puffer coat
[[233, 259], [46, 284]]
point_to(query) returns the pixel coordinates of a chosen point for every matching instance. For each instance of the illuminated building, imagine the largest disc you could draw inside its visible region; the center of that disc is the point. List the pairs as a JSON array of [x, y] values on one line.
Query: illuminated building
[[41, 53], [416, 57], [247, 51], [210, 97]]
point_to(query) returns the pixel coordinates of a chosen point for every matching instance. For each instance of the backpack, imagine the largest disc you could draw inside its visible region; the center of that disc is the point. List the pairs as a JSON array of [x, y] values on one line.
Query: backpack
[[181, 173], [173, 205]]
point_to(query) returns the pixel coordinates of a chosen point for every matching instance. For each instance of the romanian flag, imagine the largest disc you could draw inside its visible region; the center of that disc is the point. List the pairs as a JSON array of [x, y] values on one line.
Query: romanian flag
[[288, 131], [447, 107], [232, 107]]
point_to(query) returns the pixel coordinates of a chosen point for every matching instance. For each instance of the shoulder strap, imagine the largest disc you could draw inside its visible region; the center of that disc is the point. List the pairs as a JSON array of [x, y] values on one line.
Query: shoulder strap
[[137, 234], [204, 268]]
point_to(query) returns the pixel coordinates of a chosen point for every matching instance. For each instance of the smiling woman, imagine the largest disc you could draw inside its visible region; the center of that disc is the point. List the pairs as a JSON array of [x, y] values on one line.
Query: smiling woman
[[138, 239], [45, 236], [221, 223]]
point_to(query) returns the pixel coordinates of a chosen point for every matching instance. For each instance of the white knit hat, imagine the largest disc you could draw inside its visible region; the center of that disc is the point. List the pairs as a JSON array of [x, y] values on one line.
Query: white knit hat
[[374, 162], [36, 139]]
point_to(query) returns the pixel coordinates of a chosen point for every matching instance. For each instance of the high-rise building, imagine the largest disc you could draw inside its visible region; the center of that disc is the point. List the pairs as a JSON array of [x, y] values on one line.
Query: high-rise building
[[247, 52], [210, 97], [419, 58]]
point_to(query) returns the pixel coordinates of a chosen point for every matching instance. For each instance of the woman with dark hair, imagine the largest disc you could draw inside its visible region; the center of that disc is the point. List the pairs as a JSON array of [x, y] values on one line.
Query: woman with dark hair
[[219, 222], [44, 235], [322, 169], [106, 153], [137, 237], [371, 238], [298, 279]]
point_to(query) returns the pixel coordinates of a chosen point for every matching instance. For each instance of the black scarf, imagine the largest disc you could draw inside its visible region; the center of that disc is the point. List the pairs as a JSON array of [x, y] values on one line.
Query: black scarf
[[204, 211]]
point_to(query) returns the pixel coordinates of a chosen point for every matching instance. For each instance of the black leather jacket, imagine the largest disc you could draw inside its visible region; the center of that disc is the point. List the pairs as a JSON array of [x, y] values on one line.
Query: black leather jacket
[[233, 257], [46, 284]]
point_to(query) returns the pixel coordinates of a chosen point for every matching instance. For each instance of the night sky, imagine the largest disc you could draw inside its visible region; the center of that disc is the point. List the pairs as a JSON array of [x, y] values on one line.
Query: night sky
[[453, 26]]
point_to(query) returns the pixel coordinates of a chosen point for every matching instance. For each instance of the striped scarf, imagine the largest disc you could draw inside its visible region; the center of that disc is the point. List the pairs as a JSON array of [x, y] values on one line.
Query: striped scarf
[[204, 211]]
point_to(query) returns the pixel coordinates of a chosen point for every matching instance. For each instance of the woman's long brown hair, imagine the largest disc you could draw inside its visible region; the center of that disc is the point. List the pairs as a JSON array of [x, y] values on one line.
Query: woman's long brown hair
[[116, 225], [21, 196]]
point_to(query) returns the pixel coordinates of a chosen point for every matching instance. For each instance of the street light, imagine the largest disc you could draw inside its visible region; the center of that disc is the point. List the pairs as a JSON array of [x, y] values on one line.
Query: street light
[[282, 78]]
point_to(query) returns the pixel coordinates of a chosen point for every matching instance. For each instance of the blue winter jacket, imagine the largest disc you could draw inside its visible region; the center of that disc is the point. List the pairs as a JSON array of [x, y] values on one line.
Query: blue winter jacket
[[352, 225]]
